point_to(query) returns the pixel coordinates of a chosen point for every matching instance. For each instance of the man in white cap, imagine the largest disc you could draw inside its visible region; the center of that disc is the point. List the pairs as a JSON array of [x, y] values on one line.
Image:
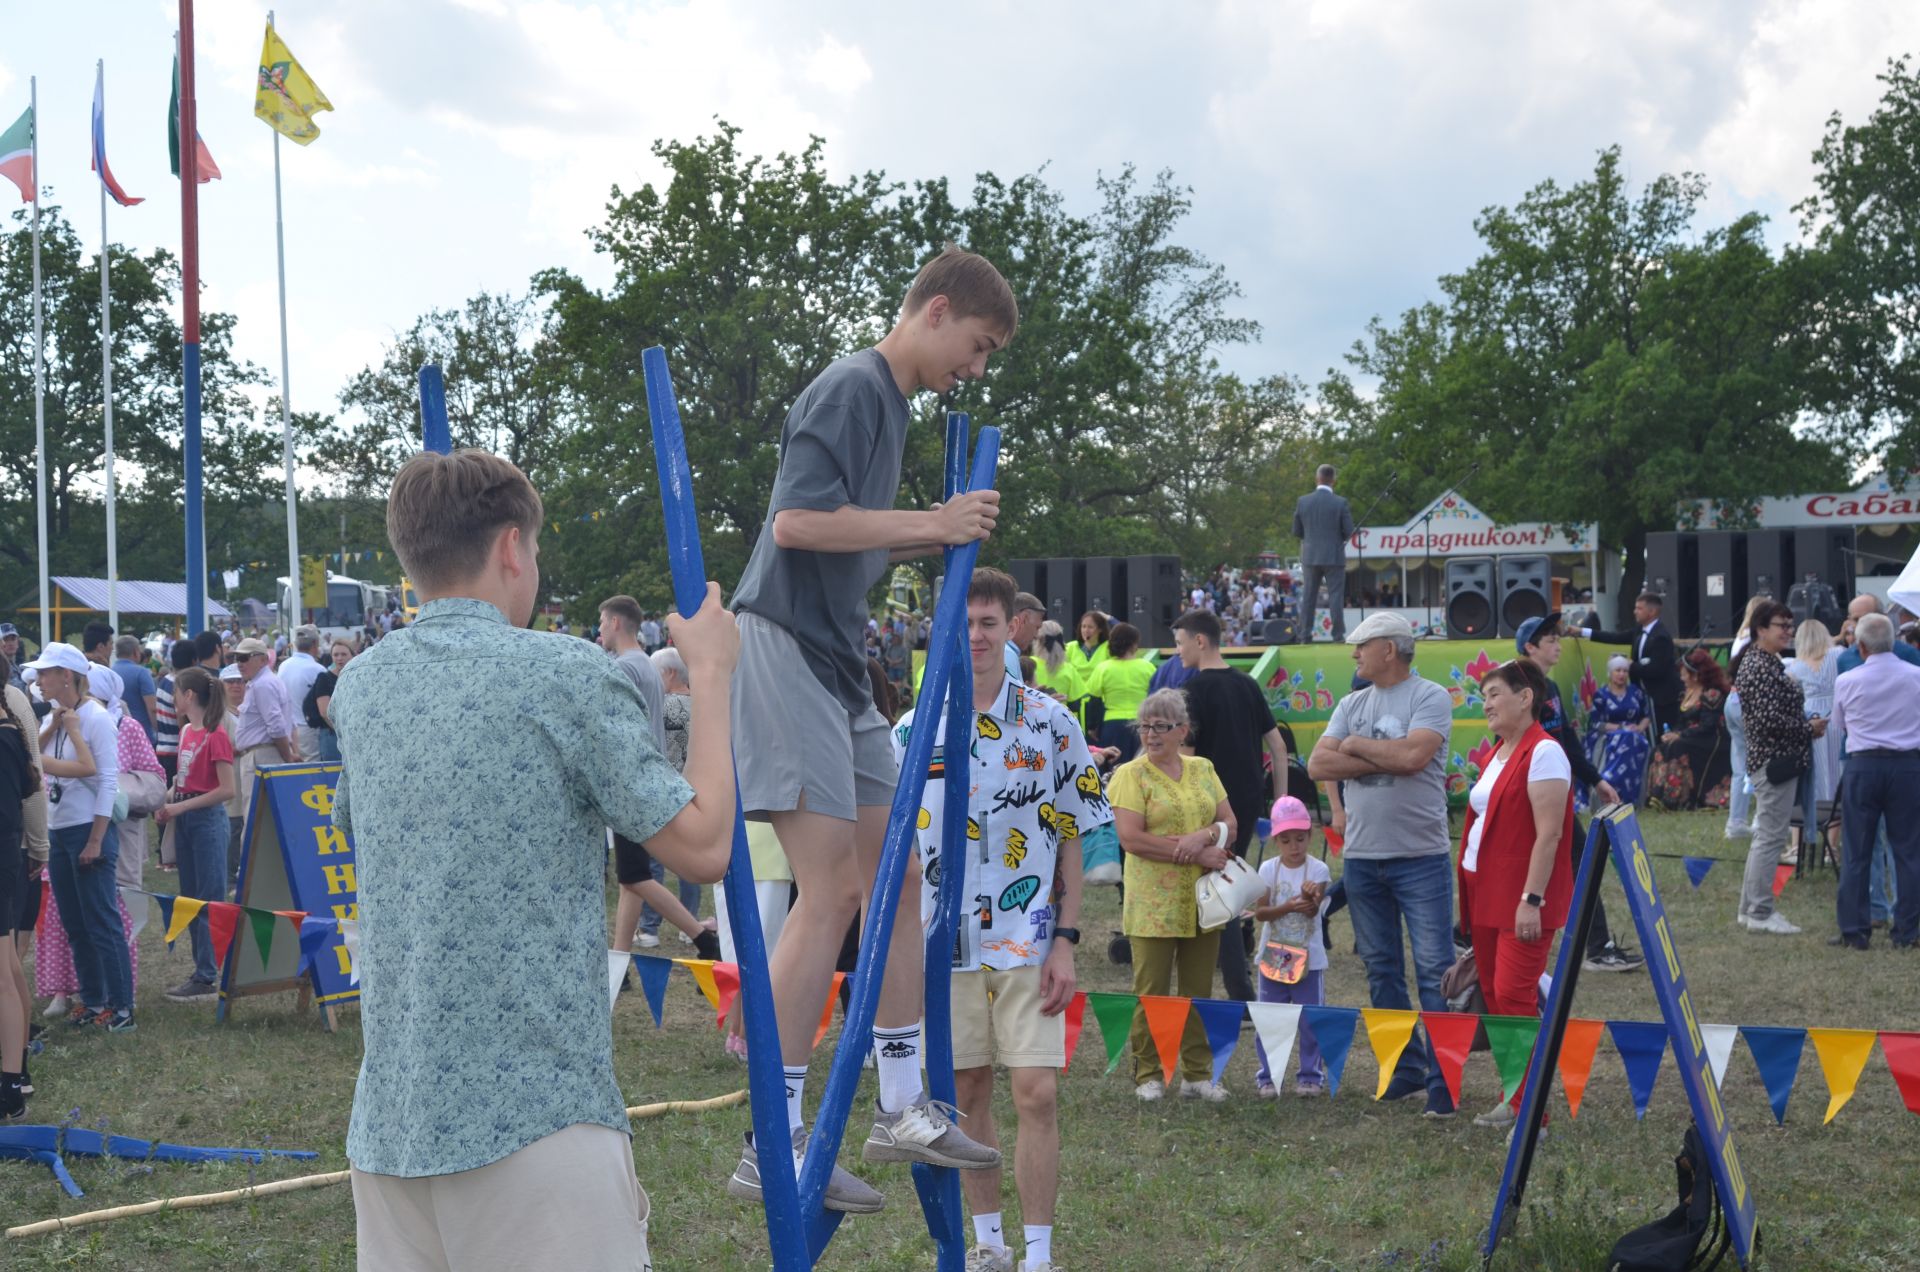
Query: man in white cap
[[1388, 743]]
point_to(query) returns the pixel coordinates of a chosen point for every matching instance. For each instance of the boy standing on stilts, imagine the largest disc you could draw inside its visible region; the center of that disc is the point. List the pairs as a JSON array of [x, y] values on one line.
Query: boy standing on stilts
[[814, 755]]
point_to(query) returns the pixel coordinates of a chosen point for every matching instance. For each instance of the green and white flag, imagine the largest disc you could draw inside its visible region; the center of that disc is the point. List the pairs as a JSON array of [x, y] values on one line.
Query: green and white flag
[[16, 155]]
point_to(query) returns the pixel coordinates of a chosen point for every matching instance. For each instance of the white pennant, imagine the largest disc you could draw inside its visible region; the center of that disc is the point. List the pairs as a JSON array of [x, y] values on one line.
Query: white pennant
[[1719, 1042], [136, 902], [350, 937], [617, 964], [1277, 1024]]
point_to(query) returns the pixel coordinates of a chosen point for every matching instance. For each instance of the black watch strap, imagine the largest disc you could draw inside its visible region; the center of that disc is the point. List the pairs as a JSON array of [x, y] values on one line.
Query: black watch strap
[[1070, 935], [1533, 899]]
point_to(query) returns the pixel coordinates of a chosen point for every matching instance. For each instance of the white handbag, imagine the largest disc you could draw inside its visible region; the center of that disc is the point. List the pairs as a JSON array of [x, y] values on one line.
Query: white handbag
[[1224, 894]]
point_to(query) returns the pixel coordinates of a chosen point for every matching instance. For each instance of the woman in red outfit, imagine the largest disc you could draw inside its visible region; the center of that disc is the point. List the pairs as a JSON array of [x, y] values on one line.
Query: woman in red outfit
[[1515, 882]]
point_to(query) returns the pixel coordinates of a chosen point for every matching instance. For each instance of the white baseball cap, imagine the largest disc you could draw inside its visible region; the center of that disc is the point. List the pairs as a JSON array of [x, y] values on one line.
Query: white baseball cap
[[62, 656]]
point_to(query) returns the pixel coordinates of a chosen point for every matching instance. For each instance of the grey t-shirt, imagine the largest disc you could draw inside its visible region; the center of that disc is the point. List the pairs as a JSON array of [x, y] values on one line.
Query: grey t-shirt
[[1390, 816], [842, 445], [653, 691]]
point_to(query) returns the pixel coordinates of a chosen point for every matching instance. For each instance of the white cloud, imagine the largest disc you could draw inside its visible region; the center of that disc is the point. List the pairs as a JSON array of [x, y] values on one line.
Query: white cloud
[[838, 68]]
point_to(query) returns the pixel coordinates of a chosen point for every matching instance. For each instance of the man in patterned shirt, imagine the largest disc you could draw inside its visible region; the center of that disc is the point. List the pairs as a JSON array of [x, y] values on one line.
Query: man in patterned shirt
[[1034, 792], [483, 765]]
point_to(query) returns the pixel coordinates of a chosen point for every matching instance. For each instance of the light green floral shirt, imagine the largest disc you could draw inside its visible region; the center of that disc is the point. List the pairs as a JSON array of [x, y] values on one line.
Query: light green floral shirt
[[483, 765]]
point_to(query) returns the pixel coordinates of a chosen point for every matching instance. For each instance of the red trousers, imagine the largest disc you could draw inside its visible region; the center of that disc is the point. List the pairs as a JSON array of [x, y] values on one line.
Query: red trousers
[[1510, 970]]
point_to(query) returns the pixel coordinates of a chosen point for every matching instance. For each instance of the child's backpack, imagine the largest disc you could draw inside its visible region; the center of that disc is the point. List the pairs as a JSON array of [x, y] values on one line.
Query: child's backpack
[[1672, 1244]]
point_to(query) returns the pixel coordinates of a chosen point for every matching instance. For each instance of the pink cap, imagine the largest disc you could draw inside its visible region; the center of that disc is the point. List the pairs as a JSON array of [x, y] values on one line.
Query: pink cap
[[1290, 814]]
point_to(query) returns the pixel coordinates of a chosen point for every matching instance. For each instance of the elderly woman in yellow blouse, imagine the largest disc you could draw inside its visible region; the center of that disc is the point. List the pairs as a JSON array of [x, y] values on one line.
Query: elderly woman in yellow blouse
[[1174, 823]]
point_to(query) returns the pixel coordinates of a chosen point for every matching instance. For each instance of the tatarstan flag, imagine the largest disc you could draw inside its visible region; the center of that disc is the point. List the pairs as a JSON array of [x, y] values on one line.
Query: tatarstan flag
[[207, 168], [16, 155]]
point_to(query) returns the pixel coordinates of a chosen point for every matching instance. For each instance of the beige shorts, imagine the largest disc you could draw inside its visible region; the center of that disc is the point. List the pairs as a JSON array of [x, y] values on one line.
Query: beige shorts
[[567, 1200], [997, 1020]]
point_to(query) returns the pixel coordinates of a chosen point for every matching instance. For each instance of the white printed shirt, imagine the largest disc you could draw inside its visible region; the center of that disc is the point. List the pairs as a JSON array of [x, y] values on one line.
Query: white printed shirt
[[1033, 788]]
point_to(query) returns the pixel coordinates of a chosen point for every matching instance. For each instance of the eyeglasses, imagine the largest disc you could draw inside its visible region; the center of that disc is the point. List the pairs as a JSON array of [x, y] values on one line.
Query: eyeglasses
[[1785, 624], [1157, 727]]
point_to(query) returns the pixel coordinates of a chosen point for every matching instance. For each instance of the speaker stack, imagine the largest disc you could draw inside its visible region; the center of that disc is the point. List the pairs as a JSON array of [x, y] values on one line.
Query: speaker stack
[[1769, 566], [1723, 580], [1469, 598], [1526, 591], [1153, 597], [1143, 590], [1673, 573]]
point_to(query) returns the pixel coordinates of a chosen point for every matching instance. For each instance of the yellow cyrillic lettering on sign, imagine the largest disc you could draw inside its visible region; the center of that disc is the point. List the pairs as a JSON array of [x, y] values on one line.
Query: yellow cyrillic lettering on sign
[[1643, 870], [1734, 1174], [1698, 1044], [340, 878], [346, 961], [319, 799], [1713, 1095], [329, 839], [347, 913], [1666, 948]]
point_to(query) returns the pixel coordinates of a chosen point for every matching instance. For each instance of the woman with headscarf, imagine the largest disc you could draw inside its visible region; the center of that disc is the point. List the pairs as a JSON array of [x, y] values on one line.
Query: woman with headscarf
[[1617, 729]]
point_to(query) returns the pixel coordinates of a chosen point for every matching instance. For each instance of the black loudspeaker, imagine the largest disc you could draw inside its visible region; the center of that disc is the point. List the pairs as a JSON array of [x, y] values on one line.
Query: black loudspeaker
[[1526, 591], [1106, 586], [1827, 553], [1029, 576], [1769, 567], [1278, 631], [1723, 576], [1066, 594], [1673, 572], [1154, 597], [1469, 593]]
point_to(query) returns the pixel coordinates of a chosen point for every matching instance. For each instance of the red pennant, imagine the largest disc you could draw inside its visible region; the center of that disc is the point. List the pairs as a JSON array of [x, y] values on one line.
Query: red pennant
[[1780, 876], [1902, 1051], [1451, 1033], [1577, 1047], [223, 917], [726, 979], [1076, 1016], [1166, 1022], [1335, 840], [826, 1015], [296, 917]]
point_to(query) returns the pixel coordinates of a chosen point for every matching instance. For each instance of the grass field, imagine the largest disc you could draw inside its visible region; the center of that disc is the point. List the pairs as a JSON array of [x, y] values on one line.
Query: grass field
[[1333, 1184]]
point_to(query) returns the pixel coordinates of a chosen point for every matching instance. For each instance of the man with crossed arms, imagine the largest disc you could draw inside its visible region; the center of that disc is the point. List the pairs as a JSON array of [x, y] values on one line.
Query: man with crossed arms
[[1034, 791]]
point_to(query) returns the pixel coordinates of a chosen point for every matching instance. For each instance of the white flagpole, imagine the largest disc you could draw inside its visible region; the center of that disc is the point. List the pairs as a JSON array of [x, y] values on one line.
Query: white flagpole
[[106, 385], [39, 376], [294, 589]]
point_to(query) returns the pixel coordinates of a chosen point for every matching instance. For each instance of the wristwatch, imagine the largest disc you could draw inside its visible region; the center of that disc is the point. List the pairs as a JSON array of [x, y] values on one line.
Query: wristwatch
[[1070, 935], [1533, 899]]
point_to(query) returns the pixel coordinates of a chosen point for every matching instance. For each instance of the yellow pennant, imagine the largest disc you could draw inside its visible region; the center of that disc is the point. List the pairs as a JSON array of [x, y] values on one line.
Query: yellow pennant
[[184, 910], [1843, 1054], [1388, 1032], [702, 971]]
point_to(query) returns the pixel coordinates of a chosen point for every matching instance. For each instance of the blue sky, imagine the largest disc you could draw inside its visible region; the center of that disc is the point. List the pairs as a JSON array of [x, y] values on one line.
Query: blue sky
[[1338, 151]]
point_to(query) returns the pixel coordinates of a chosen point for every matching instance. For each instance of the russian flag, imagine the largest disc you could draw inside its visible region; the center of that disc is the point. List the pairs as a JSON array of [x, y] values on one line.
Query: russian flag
[[120, 196]]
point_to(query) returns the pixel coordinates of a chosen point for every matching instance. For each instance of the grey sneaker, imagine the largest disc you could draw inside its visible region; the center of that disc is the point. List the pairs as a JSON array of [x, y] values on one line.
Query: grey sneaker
[[1775, 923], [989, 1259], [192, 991], [925, 1131], [846, 1192]]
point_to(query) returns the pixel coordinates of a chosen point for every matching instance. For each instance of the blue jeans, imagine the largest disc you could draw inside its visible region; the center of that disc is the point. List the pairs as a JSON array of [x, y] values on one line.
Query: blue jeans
[[1882, 796], [689, 897], [1380, 892], [327, 746], [90, 912], [200, 849], [1739, 790]]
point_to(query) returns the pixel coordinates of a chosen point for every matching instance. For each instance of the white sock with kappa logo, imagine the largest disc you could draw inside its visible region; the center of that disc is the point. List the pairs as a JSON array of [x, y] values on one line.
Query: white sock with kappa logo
[[796, 1087], [897, 1064]]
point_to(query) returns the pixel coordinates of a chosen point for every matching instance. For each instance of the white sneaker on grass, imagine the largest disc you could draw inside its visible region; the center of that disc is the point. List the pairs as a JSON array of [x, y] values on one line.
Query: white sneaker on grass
[[1775, 924], [989, 1259], [647, 941], [1500, 1117], [1150, 1090], [926, 1131], [1211, 1092], [57, 1007]]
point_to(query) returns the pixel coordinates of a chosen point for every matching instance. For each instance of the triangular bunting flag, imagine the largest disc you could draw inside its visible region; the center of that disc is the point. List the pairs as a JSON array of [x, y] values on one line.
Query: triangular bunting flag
[[295, 917], [826, 1012], [1114, 1014], [178, 912], [1221, 1018], [350, 937], [1076, 1018], [1335, 840], [1697, 868], [1843, 1054], [1166, 1022], [702, 970], [1902, 1051], [1276, 1025], [134, 900], [223, 919], [653, 983], [314, 935], [1387, 1034], [726, 979], [1776, 1053], [1780, 876], [1451, 1034], [263, 922], [1577, 1045], [1641, 1045], [1511, 1038], [1719, 1043], [1332, 1029], [618, 961]]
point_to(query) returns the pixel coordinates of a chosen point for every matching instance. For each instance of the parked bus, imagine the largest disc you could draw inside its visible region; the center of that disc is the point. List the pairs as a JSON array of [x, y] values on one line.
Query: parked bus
[[349, 604]]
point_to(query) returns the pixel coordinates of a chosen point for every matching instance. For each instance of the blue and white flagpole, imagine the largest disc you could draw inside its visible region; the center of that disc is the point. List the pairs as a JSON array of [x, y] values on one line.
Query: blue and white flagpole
[[196, 571], [106, 378], [39, 376]]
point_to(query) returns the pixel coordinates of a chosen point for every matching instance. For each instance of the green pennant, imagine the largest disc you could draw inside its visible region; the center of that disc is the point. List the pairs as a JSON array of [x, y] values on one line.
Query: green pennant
[[1511, 1038], [264, 921], [1115, 1014]]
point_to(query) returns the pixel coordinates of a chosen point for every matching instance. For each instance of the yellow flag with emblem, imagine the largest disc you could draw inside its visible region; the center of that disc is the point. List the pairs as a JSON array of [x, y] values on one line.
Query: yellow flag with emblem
[[286, 98]]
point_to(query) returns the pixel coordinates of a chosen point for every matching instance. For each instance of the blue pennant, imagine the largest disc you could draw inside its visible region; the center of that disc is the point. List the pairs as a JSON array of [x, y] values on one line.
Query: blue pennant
[[1332, 1029], [653, 982], [1642, 1045], [1697, 868], [314, 935], [1776, 1053], [48, 1144], [1221, 1018]]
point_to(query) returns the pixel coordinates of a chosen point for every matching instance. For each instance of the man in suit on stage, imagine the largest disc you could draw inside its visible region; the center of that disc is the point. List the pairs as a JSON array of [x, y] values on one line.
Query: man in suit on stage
[[1324, 524], [1654, 668]]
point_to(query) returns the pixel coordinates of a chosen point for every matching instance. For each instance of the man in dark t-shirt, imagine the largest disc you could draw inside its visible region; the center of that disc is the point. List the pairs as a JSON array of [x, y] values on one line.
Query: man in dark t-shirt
[[1232, 726]]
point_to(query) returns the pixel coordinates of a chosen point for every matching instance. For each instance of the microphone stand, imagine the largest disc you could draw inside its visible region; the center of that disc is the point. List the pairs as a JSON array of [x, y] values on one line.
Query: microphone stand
[[1364, 518]]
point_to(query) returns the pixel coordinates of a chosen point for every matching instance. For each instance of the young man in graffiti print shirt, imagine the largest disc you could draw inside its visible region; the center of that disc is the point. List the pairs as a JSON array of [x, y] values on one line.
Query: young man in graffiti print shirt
[[1034, 792]]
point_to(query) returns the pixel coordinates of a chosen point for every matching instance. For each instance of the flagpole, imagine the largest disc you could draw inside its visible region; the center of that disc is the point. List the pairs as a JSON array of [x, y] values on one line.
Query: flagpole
[[39, 374], [196, 571], [295, 591], [106, 384]]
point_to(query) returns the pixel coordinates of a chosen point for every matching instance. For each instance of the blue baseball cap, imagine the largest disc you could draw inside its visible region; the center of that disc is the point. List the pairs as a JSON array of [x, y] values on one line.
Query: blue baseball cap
[[1529, 631]]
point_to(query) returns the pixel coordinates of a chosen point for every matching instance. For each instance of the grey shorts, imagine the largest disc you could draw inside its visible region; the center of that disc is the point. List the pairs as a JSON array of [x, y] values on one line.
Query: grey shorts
[[794, 744]]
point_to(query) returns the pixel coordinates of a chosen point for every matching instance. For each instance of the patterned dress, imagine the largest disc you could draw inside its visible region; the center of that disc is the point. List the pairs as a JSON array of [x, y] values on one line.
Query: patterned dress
[[1620, 755], [1694, 770]]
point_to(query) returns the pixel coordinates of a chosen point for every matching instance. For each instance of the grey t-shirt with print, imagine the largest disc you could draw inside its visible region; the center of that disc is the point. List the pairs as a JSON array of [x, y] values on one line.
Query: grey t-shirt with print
[[1389, 815], [841, 446]]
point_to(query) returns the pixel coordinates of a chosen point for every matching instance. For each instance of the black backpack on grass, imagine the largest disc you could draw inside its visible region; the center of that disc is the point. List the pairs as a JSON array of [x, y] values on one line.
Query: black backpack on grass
[[1673, 1244]]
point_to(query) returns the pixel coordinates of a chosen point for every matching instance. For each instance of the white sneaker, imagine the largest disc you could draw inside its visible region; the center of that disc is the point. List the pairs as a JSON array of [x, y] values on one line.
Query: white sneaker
[[1211, 1092], [1775, 923], [1501, 1117], [1151, 1089], [58, 1007], [1739, 830], [647, 941], [1743, 920], [684, 939], [989, 1259]]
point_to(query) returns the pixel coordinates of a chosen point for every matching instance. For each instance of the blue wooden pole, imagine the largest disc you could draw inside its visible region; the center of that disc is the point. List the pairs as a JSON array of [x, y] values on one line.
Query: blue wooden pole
[[787, 1233], [434, 433]]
